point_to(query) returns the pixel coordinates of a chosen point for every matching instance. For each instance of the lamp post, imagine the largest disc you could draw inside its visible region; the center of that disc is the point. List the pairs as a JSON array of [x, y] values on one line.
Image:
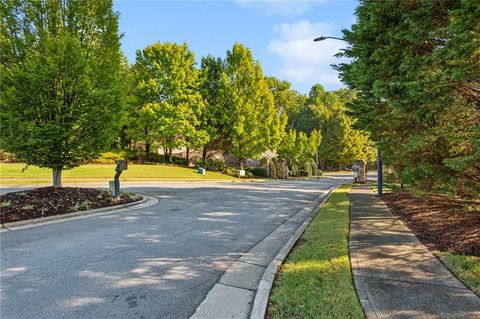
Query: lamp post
[[379, 151], [323, 38]]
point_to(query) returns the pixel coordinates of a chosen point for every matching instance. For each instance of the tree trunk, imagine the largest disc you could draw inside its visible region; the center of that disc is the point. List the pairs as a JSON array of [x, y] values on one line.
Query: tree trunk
[[241, 165], [147, 151], [165, 152], [204, 152], [170, 156], [57, 178], [188, 155], [322, 164]]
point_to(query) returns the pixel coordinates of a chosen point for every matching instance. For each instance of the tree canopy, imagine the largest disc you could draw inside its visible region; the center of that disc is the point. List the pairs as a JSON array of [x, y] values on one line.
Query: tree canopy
[[415, 68], [61, 81], [166, 91], [255, 126]]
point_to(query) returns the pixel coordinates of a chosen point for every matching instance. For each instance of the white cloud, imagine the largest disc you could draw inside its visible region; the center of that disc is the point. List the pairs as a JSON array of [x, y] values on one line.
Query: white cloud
[[279, 7], [304, 62]]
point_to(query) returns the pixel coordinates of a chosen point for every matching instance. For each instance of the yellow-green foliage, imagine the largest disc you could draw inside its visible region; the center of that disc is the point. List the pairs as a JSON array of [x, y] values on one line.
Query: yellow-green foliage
[[109, 157]]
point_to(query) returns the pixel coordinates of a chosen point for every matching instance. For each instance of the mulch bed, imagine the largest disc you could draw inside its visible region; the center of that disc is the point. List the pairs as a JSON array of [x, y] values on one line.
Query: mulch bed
[[441, 223], [50, 201]]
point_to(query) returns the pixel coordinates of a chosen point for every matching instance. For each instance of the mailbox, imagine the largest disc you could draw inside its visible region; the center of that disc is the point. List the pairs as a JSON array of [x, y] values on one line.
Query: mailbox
[[359, 171], [121, 165]]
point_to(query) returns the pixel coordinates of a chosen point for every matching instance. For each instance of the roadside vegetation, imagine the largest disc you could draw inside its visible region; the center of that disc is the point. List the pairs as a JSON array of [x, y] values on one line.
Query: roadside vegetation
[[69, 94], [12, 175], [315, 281], [51, 201], [414, 66], [448, 226], [466, 268]]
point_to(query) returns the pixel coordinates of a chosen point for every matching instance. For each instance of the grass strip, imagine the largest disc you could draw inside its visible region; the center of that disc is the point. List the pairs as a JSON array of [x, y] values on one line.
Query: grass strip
[[466, 268], [316, 281]]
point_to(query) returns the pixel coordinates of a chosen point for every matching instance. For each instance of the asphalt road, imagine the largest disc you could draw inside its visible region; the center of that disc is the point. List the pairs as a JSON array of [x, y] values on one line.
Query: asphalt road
[[156, 262]]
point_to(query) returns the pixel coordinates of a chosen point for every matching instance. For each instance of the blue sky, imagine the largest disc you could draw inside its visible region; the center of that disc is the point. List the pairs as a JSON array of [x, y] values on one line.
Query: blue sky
[[279, 33]]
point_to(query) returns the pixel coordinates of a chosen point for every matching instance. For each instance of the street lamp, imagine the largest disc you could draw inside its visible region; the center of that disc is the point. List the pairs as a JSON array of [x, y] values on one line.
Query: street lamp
[[379, 151], [323, 38]]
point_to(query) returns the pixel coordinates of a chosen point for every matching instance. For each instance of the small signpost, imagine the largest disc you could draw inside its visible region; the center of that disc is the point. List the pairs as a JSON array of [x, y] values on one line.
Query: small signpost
[[115, 184]]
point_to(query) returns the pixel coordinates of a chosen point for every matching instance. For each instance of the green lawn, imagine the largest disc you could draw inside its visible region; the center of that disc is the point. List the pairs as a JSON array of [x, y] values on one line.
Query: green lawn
[[387, 187], [315, 281], [467, 268], [12, 175]]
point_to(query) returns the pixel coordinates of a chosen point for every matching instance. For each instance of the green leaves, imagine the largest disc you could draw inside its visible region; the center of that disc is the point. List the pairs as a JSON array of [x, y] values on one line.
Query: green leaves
[[61, 82], [255, 126], [415, 67], [167, 103]]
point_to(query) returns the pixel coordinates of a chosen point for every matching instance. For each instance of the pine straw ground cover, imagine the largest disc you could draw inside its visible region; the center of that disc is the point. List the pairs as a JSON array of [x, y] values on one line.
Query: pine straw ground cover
[[50, 201], [447, 226]]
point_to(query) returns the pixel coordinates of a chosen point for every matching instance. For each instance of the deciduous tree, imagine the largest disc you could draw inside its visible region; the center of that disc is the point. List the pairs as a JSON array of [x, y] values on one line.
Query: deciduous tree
[[60, 81], [168, 101], [255, 126]]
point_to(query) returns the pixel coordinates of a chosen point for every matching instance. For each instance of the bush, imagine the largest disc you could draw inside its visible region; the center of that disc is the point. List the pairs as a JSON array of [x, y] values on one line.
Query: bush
[[392, 177], [139, 156], [258, 171], [7, 157], [303, 172], [109, 157], [211, 164], [232, 172], [248, 174]]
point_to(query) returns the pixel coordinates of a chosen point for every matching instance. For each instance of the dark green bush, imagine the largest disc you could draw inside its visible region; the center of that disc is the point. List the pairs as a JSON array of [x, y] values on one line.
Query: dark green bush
[[211, 164], [258, 171], [304, 173], [139, 156]]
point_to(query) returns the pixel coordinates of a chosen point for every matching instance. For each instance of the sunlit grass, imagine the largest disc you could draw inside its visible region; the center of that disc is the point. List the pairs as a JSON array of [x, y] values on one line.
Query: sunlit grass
[[386, 188], [12, 175], [467, 268], [315, 281]]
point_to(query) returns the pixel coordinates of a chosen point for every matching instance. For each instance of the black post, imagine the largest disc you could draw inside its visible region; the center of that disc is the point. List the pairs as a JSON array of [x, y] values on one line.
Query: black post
[[379, 172], [121, 166], [116, 180]]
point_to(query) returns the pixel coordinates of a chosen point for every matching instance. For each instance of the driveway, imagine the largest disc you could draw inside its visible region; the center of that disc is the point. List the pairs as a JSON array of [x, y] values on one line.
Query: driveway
[[156, 262]]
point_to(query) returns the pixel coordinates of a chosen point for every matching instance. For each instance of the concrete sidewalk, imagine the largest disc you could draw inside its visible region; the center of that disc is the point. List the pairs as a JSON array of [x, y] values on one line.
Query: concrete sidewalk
[[394, 274]]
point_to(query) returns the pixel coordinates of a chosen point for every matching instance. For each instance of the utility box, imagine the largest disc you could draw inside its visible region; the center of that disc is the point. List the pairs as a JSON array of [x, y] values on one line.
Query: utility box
[[359, 169], [201, 171]]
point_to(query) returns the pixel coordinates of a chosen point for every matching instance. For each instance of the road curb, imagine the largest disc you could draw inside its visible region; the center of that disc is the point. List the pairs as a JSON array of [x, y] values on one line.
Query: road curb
[[146, 201], [260, 302]]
